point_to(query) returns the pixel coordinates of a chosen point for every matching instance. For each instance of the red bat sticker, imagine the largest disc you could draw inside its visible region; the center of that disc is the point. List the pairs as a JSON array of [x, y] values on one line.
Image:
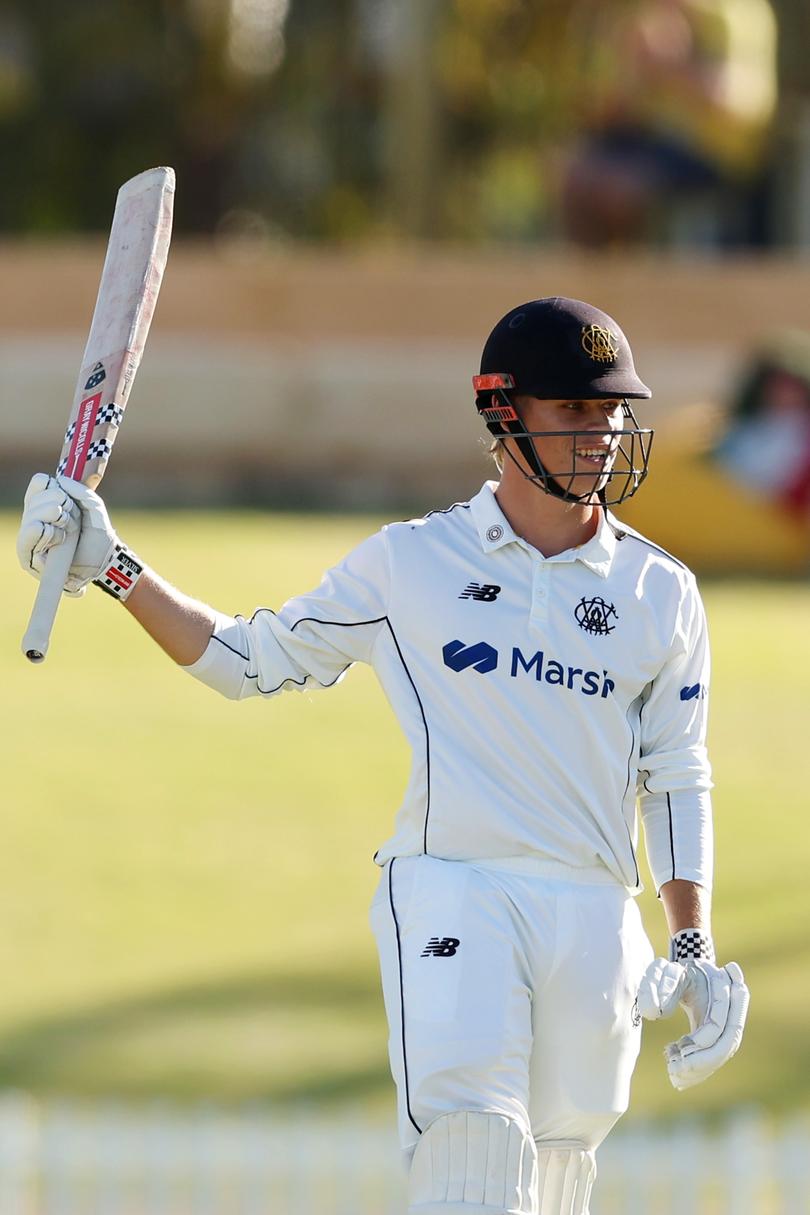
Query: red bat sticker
[[85, 421]]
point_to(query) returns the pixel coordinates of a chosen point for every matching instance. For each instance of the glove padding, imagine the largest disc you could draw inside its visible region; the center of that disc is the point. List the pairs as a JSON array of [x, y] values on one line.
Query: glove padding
[[715, 1000], [55, 507]]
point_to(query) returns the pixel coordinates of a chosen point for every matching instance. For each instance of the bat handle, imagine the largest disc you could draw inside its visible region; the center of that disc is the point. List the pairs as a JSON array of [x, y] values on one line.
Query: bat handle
[[49, 592]]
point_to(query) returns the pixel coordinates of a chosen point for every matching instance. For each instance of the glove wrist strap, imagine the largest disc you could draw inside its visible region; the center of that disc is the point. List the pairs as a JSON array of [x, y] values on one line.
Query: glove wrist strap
[[121, 572], [690, 945]]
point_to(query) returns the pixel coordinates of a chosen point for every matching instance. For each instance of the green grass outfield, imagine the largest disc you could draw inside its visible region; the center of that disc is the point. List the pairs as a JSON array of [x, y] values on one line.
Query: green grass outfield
[[185, 881]]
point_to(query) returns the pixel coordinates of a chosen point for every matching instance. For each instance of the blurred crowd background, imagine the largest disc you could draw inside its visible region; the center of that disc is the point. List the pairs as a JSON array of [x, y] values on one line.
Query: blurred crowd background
[[364, 186], [679, 122]]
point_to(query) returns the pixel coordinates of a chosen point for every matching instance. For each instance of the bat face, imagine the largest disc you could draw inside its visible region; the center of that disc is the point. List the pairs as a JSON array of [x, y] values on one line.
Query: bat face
[[128, 291], [127, 294]]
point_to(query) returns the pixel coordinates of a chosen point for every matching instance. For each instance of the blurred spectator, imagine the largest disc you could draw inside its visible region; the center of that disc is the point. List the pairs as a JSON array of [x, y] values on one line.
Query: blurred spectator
[[677, 104], [767, 443]]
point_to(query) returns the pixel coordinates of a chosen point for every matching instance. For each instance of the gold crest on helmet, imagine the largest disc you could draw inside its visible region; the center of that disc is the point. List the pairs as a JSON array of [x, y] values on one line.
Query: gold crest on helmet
[[600, 343]]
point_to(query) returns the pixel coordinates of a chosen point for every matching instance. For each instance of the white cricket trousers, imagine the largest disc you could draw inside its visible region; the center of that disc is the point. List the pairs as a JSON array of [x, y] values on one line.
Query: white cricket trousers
[[509, 986]]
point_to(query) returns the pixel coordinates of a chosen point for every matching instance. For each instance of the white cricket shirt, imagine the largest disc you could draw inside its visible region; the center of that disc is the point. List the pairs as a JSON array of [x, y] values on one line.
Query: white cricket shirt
[[539, 695]]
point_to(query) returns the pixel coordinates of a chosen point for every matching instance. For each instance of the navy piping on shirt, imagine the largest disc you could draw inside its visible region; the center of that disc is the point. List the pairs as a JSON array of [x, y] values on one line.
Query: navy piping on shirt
[[643, 540], [269, 691], [387, 622], [348, 624], [446, 510], [427, 732], [671, 837], [626, 787], [238, 653]]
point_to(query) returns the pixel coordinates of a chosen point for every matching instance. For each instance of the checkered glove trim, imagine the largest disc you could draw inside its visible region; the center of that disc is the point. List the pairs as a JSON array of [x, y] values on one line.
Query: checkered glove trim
[[121, 573], [689, 945]]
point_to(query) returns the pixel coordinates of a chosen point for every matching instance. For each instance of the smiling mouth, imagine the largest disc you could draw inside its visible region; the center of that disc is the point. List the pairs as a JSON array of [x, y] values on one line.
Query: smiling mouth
[[596, 456]]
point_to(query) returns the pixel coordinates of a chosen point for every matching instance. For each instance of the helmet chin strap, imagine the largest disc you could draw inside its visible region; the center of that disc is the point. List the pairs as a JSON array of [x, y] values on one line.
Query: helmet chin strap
[[541, 477], [502, 421]]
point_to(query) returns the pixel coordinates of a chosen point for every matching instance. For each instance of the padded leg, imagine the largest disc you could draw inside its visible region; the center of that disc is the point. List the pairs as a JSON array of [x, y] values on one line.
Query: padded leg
[[473, 1162], [566, 1172]]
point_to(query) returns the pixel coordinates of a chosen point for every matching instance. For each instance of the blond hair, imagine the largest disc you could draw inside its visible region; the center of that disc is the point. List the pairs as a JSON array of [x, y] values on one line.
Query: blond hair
[[495, 450]]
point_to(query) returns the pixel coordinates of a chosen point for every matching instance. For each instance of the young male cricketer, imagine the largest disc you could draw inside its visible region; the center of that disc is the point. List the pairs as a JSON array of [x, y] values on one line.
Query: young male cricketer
[[549, 667]]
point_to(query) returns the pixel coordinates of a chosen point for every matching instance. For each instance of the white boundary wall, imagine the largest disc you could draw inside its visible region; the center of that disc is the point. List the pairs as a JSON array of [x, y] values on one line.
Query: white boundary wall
[[109, 1159], [370, 421]]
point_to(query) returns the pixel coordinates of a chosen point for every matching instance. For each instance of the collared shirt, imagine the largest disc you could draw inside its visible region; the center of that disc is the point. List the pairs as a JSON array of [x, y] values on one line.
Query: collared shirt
[[539, 695]]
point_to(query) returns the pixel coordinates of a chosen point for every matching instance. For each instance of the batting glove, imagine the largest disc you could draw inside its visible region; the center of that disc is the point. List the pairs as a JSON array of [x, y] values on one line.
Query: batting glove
[[56, 507], [715, 1000]]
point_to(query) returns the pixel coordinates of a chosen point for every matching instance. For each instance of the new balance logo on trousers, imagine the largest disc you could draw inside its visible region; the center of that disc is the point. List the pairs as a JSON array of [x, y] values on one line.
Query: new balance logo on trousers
[[440, 948]]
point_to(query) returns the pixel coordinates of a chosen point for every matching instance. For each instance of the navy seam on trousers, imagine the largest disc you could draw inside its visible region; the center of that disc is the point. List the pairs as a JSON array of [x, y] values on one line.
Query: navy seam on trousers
[[401, 997]]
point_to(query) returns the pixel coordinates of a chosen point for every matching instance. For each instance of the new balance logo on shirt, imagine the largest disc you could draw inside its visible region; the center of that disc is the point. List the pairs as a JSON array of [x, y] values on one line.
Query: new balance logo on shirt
[[444, 947], [484, 592]]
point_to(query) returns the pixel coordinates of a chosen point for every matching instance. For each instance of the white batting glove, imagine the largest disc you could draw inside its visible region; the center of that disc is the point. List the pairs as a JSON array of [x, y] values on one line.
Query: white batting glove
[[715, 1000], [49, 514], [54, 508]]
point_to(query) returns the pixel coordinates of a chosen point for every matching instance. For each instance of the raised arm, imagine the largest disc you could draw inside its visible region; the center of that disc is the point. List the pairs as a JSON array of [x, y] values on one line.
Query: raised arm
[[181, 626], [309, 644]]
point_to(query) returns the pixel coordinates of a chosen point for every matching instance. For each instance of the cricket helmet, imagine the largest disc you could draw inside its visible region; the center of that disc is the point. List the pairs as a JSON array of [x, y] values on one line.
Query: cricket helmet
[[564, 349]]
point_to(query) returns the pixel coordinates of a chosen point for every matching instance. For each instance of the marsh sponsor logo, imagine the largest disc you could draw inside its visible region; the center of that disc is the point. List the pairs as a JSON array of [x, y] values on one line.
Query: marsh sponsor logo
[[549, 670], [483, 658], [480, 656]]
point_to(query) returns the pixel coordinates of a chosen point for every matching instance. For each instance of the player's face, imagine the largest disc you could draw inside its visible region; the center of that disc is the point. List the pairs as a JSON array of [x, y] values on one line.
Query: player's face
[[585, 457]]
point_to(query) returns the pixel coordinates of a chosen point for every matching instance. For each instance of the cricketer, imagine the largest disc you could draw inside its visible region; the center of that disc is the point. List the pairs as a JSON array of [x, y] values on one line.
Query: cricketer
[[549, 667]]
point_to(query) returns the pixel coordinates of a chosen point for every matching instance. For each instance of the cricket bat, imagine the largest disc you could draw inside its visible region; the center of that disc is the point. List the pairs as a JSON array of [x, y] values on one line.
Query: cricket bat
[[127, 295]]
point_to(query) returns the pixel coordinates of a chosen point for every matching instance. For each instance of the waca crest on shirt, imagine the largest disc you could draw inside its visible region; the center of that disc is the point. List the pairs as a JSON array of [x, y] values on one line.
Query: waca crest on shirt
[[594, 615]]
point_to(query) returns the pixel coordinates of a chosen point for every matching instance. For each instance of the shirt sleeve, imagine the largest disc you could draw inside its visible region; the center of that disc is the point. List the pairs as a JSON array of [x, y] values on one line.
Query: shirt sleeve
[[313, 639], [674, 770]]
